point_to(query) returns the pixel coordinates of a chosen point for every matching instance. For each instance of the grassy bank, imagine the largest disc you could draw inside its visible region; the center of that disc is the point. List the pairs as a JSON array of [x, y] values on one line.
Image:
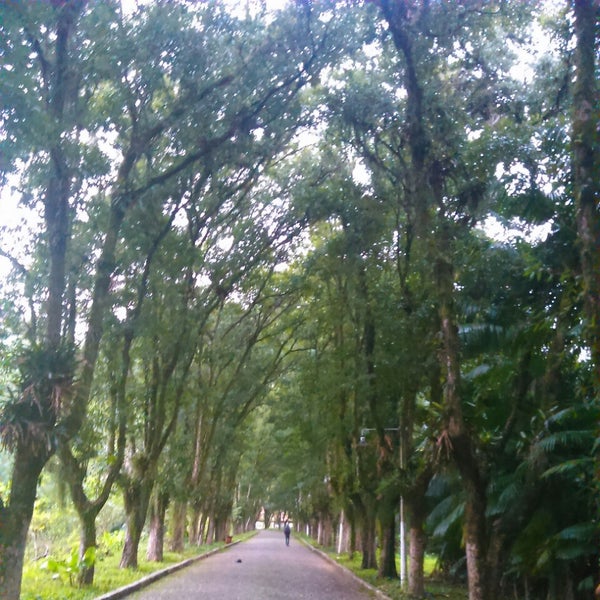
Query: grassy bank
[[40, 584], [392, 588]]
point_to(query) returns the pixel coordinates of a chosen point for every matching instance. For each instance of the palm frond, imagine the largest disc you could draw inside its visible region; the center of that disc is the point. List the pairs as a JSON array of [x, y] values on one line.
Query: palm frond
[[447, 514], [572, 439], [582, 532], [569, 467]]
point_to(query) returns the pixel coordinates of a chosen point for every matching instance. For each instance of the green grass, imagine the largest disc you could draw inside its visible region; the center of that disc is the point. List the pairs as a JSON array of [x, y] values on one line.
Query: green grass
[[38, 584], [392, 588]]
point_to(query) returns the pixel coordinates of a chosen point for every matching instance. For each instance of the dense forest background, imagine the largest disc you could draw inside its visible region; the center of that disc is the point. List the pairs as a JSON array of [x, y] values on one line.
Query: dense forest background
[[329, 258]]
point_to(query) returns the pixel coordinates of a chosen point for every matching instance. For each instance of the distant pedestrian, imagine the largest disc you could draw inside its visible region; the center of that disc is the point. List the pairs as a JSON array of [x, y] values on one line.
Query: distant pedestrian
[[286, 531]]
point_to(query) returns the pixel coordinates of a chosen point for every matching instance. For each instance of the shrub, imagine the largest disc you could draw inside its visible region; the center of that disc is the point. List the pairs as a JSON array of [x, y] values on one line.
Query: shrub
[[69, 569]]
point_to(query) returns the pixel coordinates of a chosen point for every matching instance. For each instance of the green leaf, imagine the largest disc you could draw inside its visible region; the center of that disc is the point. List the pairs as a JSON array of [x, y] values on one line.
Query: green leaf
[[89, 558]]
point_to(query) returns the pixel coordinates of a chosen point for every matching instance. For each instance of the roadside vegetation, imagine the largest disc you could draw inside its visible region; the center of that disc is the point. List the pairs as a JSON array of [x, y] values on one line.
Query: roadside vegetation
[[332, 261], [41, 582], [435, 584]]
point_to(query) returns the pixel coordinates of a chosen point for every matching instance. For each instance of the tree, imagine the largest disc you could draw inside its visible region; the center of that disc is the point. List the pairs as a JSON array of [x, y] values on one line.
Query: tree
[[162, 379], [75, 94], [28, 423], [171, 198], [443, 190], [586, 165]]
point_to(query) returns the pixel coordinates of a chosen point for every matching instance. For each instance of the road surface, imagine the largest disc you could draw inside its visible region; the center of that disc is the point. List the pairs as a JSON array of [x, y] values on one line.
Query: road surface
[[262, 568]]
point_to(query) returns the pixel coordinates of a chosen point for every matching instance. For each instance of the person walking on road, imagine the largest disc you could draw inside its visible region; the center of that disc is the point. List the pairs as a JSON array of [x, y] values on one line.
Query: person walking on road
[[286, 532]]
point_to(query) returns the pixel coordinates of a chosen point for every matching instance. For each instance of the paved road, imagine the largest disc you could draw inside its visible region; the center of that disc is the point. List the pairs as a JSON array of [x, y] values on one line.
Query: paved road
[[269, 570]]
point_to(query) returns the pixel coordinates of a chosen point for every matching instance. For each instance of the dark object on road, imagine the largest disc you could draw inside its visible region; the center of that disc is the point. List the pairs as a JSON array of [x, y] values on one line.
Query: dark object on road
[[287, 530], [239, 560]]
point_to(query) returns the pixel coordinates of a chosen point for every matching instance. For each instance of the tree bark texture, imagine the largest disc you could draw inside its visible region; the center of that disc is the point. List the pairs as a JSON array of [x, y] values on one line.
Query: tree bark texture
[[387, 507], [87, 539], [16, 518], [156, 533], [194, 530], [137, 498], [352, 543], [416, 506], [387, 562], [221, 523], [178, 528], [87, 509], [202, 529], [417, 545], [458, 441], [210, 532], [586, 166], [369, 556]]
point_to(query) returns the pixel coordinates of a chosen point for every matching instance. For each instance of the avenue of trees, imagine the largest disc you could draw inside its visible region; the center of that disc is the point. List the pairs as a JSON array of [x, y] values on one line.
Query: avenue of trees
[[329, 258]]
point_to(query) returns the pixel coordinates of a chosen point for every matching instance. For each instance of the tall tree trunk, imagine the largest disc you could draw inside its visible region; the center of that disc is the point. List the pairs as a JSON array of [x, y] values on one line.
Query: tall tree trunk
[[586, 171], [495, 560], [88, 510], [202, 529], [210, 531], [368, 530], [142, 467], [475, 543], [387, 563], [195, 524], [456, 438], [156, 533], [221, 524], [16, 518], [178, 526], [416, 505], [319, 531], [137, 499], [417, 545], [586, 166], [341, 527], [352, 543], [387, 507], [267, 517], [87, 539]]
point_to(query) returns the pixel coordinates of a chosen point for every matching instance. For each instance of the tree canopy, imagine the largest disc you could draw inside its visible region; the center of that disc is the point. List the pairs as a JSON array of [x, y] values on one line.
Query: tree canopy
[[336, 262]]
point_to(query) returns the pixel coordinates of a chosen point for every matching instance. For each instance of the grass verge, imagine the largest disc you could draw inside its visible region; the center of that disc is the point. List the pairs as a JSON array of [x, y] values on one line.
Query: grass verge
[[435, 588], [39, 584]]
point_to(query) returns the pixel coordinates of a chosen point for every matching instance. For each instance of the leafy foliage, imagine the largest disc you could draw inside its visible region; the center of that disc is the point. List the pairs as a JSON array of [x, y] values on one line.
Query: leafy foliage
[[250, 235], [69, 568]]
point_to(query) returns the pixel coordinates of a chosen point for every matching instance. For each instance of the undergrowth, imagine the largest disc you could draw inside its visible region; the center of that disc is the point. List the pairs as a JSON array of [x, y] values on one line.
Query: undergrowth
[[435, 587], [41, 584]]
